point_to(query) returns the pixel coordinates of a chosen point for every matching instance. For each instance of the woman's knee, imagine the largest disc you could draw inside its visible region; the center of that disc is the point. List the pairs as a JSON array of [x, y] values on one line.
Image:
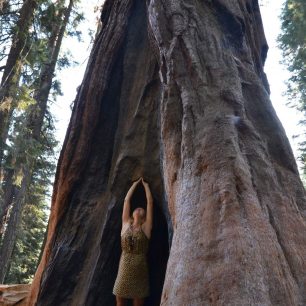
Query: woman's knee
[[138, 302], [120, 301]]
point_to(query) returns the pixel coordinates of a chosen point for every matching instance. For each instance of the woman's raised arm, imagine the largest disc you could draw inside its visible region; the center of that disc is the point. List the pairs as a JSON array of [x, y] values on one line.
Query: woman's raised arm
[[149, 217], [127, 203]]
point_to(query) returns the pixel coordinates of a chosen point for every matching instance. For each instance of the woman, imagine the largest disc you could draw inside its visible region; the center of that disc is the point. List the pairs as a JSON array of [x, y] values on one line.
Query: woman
[[133, 278]]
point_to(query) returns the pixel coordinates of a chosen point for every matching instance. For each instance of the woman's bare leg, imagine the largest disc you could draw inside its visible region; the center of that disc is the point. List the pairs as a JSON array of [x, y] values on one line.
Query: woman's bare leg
[[138, 302], [120, 301]]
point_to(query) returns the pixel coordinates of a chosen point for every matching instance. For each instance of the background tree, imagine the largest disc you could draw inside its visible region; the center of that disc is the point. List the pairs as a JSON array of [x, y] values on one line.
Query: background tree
[[292, 41], [175, 91], [31, 142], [12, 69], [30, 233]]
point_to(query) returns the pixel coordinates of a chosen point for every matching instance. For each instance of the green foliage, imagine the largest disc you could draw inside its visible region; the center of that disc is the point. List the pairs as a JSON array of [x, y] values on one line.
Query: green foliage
[[21, 147], [76, 18], [25, 98], [8, 19], [66, 60], [47, 17], [30, 238], [292, 41], [293, 44], [31, 231]]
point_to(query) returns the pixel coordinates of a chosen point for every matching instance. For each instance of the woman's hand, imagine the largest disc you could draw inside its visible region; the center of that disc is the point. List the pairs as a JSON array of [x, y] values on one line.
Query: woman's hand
[[145, 184], [147, 189], [137, 182], [132, 188]]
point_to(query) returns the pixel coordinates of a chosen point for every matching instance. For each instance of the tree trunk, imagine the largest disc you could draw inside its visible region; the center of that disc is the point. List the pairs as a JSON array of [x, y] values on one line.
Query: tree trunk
[[47, 72], [9, 236], [33, 133], [12, 70], [175, 91], [7, 198]]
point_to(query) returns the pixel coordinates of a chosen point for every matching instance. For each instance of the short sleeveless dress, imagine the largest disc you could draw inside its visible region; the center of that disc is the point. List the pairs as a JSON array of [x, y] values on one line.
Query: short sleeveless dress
[[133, 274]]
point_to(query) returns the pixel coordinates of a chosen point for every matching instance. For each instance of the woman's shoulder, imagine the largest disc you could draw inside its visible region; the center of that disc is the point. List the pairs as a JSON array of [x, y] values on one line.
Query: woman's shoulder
[[125, 226]]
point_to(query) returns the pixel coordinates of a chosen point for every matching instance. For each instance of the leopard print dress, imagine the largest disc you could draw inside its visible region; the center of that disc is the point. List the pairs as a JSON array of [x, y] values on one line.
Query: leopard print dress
[[133, 275]]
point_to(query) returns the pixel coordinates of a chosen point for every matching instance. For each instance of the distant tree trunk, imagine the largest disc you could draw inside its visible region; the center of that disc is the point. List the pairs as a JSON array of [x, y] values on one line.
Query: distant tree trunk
[[12, 70], [47, 74], [33, 133], [7, 198], [9, 237], [175, 91]]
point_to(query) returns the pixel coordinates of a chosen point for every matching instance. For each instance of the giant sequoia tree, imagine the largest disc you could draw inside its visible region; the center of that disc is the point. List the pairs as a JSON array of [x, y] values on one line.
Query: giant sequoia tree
[[175, 91]]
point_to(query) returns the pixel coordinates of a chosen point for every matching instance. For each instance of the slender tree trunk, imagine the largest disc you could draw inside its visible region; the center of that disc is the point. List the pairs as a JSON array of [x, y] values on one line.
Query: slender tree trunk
[[7, 199], [175, 91], [34, 126], [9, 237], [11, 73], [48, 69], [38, 110]]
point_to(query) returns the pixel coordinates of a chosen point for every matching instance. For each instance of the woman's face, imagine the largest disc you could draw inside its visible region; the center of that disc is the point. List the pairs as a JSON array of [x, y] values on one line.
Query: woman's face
[[139, 212]]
